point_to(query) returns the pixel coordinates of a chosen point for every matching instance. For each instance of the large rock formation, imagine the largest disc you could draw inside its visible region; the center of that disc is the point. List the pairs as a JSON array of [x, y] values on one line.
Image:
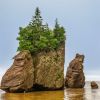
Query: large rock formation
[[49, 70], [75, 76], [94, 85], [20, 76], [43, 71]]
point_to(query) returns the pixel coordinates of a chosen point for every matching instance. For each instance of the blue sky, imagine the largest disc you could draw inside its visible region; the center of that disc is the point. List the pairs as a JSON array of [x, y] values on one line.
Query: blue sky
[[81, 18]]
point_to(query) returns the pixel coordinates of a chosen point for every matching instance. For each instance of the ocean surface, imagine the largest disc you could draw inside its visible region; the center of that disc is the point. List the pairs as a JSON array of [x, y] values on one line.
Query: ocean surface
[[68, 94]]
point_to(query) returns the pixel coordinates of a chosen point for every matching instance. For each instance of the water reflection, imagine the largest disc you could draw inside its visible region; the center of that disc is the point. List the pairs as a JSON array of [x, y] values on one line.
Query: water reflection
[[82, 94], [74, 94], [47, 95], [95, 94]]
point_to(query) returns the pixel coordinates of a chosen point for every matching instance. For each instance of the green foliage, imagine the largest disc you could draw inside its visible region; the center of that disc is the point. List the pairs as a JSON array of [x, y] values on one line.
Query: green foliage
[[59, 32], [37, 37]]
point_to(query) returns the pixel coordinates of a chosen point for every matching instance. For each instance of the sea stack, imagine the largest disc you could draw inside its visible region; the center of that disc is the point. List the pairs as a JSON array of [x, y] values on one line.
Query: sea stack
[[94, 85], [42, 67], [75, 76], [44, 71]]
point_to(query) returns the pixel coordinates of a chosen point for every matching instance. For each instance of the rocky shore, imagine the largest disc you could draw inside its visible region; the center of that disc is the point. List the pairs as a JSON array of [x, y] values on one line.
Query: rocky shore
[[44, 71]]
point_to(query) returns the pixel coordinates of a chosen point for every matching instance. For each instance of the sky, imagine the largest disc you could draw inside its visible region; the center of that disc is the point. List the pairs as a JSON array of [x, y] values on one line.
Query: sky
[[81, 19]]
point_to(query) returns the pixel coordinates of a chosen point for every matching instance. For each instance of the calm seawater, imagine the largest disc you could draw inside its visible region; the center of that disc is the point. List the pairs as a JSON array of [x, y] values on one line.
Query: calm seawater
[[68, 94]]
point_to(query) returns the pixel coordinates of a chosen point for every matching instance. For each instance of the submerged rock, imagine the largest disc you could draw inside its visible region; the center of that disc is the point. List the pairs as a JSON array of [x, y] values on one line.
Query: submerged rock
[[75, 76], [49, 70], [19, 77], [94, 85]]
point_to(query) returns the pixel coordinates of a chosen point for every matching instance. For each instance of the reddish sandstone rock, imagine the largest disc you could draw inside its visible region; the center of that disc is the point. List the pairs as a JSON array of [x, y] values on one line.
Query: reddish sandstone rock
[[94, 85], [75, 76], [19, 77], [42, 71]]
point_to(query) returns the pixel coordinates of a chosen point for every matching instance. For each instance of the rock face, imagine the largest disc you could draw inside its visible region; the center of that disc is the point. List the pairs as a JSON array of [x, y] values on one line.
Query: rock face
[[49, 70], [94, 85], [75, 76], [43, 71], [19, 77]]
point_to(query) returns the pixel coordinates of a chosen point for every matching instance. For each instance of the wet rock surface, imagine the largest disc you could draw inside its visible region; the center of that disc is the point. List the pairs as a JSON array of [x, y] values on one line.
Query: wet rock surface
[[19, 77], [94, 85], [75, 76]]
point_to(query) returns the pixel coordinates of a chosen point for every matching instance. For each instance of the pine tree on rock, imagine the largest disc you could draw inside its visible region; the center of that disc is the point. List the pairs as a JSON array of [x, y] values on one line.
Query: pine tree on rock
[[59, 32], [37, 37]]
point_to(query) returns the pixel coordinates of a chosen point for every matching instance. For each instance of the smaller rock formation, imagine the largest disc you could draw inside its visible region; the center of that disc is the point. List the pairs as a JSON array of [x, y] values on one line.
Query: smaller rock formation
[[75, 76], [94, 85], [19, 77]]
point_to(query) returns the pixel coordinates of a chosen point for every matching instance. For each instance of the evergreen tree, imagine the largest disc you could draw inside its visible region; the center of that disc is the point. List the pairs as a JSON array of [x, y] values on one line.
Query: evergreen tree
[[59, 32], [37, 19], [57, 28], [37, 37], [31, 34]]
